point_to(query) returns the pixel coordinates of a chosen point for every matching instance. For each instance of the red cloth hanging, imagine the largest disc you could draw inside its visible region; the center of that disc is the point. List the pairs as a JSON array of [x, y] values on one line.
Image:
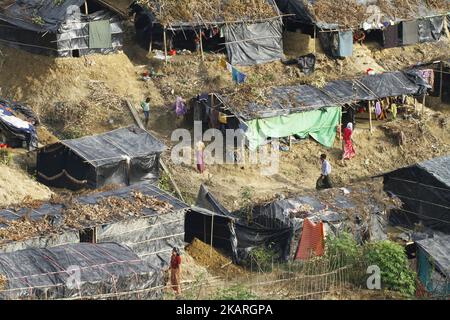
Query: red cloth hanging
[[312, 241]]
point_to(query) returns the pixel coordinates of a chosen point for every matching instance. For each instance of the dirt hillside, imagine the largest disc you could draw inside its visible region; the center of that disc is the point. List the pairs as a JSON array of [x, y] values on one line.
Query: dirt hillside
[[17, 186]]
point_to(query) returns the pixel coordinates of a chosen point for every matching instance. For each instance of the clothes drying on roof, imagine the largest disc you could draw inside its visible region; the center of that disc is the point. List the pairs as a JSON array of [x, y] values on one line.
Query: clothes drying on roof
[[14, 130]]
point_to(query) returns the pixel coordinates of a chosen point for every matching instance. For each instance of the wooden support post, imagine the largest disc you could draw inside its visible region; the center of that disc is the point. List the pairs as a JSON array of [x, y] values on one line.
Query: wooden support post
[[423, 104], [212, 232], [441, 78], [165, 44], [340, 126], [150, 47], [315, 40], [370, 116], [201, 46], [415, 105]]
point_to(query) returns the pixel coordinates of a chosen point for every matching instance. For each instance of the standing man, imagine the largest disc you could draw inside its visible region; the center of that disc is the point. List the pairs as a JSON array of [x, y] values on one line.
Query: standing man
[[324, 181], [145, 105]]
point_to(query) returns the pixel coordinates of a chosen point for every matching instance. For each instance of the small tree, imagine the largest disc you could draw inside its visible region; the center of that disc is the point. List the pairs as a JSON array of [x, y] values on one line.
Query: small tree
[[390, 257]]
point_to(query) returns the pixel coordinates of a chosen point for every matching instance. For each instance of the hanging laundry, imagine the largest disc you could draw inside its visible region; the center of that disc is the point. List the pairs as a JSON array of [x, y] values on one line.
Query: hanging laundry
[[428, 76], [180, 107], [312, 240], [378, 108], [237, 76]]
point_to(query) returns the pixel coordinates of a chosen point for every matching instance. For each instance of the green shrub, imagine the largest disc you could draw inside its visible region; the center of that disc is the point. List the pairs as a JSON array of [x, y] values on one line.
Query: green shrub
[[390, 257], [236, 292], [344, 248], [262, 257]]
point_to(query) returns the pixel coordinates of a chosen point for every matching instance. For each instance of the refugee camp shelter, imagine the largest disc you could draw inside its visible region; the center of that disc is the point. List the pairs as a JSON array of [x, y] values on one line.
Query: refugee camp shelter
[[439, 74], [251, 31], [18, 125], [77, 271], [142, 217], [66, 28], [424, 189], [433, 265], [390, 23], [302, 110], [360, 210], [122, 156]]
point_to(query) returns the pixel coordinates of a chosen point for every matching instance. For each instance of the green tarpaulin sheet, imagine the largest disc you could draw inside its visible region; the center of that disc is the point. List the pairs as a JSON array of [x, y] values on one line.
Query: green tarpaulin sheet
[[100, 34], [321, 125]]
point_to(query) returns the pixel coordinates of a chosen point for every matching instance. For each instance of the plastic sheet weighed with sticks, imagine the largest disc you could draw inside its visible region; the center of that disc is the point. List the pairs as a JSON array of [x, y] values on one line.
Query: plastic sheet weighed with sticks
[[78, 271]]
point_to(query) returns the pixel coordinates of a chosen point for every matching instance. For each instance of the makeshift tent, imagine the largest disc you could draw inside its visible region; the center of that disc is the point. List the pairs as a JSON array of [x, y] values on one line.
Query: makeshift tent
[[250, 38], [17, 125], [232, 232], [126, 155], [278, 224], [433, 265], [143, 217], [332, 15], [78, 271], [424, 189], [306, 110], [66, 28]]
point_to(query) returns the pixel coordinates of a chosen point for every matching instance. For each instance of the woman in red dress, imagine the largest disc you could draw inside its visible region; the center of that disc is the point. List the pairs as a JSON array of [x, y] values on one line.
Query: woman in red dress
[[175, 270], [349, 151]]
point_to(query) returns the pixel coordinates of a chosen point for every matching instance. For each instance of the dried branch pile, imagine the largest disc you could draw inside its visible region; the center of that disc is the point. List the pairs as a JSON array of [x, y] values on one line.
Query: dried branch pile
[[77, 216], [199, 12]]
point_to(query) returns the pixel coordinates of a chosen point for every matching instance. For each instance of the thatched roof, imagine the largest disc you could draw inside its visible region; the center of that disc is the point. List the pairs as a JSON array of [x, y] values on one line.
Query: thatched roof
[[351, 13], [206, 12]]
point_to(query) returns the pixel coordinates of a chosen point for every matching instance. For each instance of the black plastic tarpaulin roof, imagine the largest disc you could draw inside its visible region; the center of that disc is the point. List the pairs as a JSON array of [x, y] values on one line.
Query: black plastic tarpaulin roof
[[424, 189], [292, 99], [151, 233], [233, 232], [79, 271], [39, 15], [125, 155]]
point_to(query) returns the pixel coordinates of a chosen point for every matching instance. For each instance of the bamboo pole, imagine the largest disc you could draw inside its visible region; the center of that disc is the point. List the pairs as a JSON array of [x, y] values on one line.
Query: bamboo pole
[[370, 116], [165, 44], [315, 40], [423, 104], [86, 7], [201, 45], [212, 232], [441, 77]]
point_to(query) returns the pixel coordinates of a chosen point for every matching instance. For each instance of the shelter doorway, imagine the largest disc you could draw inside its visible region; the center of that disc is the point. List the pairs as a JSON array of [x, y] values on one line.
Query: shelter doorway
[[88, 235], [76, 53]]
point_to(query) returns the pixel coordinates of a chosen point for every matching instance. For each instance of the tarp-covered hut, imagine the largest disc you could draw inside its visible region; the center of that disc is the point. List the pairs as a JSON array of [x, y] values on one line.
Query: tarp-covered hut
[[67, 28], [251, 31], [424, 189], [78, 271], [122, 156]]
